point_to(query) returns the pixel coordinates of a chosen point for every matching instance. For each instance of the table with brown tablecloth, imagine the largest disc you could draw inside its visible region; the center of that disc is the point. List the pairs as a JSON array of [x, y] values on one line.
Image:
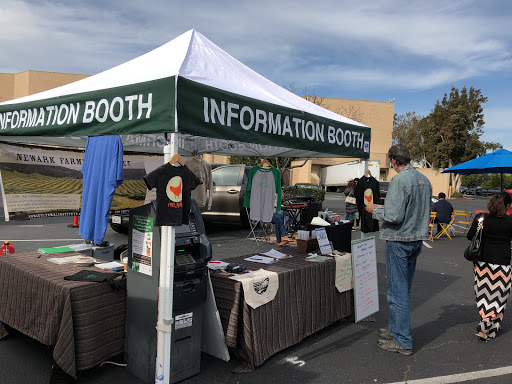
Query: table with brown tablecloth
[[83, 320], [306, 301]]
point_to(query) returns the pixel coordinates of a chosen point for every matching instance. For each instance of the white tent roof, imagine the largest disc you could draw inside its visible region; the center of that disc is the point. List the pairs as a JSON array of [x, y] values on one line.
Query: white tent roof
[[211, 73], [192, 56]]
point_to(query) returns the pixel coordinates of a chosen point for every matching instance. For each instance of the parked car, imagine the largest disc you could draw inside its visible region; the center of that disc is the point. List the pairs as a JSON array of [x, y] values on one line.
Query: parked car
[[490, 191], [228, 192], [229, 185], [472, 190], [307, 185]]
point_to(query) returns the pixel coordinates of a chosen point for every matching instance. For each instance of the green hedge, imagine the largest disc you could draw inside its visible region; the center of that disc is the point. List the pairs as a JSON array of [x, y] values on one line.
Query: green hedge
[[319, 194]]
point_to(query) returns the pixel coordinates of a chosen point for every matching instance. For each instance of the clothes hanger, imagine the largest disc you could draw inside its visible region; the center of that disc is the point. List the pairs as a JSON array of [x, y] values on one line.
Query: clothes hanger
[[367, 173], [176, 158], [265, 163]]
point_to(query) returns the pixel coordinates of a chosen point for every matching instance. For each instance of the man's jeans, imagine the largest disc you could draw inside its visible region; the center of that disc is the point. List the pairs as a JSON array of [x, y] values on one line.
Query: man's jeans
[[278, 220], [400, 267]]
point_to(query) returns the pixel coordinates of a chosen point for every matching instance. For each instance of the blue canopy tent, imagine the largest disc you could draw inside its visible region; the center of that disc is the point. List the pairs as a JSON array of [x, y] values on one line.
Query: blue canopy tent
[[499, 161]]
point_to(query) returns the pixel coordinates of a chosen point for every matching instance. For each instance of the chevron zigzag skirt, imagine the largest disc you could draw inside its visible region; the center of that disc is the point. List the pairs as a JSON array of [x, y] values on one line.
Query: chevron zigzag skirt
[[492, 289]]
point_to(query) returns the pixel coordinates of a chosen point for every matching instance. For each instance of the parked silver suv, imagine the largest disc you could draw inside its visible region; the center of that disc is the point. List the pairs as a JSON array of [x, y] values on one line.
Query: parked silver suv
[[228, 192]]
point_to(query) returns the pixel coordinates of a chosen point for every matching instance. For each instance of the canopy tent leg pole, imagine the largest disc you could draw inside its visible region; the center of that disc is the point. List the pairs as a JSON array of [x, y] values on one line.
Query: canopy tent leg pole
[[501, 180], [4, 200], [166, 286], [365, 166]]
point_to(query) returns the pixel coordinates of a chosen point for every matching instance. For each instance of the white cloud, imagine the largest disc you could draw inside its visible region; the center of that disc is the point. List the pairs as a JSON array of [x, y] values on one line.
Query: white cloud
[[390, 44]]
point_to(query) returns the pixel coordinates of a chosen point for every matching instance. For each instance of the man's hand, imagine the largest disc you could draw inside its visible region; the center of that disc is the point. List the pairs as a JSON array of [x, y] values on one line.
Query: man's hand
[[369, 208]]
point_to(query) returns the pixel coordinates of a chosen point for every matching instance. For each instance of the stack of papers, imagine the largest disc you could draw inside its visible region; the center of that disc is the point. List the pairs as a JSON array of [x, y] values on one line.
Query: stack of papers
[[316, 258], [276, 254], [261, 259], [67, 259], [214, 265], [112, 266]]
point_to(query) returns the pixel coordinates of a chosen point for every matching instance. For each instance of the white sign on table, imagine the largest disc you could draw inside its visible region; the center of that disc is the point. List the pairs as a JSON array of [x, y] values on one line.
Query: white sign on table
[[323, 241], [364, 266]]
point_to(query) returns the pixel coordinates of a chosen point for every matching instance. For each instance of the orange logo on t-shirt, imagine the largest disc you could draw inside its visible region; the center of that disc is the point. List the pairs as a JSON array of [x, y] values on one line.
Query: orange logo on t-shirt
[[368, 196], [174, 189]]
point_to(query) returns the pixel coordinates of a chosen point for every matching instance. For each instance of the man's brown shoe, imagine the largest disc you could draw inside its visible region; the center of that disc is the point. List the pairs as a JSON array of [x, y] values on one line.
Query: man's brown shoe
[[391, 346], [385, 333]]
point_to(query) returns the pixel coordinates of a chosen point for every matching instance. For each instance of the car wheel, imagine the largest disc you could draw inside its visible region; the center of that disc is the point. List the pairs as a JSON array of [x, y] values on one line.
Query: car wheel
[[119, 228]]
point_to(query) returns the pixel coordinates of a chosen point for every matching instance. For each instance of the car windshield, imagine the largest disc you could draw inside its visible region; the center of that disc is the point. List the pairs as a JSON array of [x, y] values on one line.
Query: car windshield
[[307, 185]]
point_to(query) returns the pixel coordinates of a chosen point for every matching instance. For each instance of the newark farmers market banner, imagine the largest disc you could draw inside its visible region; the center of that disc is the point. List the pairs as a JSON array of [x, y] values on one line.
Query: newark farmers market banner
[[37, 182]]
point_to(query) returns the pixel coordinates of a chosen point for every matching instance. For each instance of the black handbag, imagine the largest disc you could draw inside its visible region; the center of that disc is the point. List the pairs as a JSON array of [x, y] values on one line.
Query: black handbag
[[474, 251]]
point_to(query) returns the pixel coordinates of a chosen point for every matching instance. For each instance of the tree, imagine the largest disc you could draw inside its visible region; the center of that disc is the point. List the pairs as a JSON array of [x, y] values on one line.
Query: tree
[[474, 180], [351, 112], [453, 128], [408, 130], [281, 163]]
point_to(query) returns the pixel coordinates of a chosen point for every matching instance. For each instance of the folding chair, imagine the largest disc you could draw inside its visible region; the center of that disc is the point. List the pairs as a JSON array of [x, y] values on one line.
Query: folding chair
[[431, 226], [444, 228], [259, 230], [463, 220]]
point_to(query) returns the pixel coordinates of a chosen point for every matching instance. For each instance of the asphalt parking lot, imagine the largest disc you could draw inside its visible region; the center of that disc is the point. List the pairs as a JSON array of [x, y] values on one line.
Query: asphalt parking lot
[[443, 315]]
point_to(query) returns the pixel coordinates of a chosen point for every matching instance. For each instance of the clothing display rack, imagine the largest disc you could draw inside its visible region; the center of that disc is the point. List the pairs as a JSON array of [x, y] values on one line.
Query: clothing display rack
[[259, 231]]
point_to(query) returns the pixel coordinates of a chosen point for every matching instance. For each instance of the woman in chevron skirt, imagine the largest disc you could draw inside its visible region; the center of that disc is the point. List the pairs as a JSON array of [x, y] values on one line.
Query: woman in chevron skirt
[[493, 272]]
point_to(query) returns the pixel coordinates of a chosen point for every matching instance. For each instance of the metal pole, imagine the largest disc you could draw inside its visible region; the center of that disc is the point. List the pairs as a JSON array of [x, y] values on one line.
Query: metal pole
[[165, 291]]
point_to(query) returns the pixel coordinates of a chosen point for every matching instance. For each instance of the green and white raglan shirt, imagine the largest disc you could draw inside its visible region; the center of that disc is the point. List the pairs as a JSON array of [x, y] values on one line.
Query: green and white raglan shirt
[[262, 186]]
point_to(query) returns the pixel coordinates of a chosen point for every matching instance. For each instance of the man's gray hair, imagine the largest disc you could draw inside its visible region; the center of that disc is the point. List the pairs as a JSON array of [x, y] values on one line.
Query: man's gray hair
[[400, 154]]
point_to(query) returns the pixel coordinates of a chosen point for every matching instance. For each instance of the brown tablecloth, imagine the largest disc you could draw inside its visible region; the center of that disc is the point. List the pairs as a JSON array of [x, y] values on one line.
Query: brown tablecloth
[[306, 302], [83, 320]]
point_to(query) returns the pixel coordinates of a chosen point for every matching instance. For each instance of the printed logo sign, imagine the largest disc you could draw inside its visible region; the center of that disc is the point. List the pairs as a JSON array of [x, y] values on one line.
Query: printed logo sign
[[174, 189], [261, 286], [366, 146], [368, 196]]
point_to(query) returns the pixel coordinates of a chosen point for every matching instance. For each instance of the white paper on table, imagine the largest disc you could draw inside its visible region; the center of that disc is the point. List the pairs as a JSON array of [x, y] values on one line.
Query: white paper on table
[[214, 265], [260, 259], [275, 254], [109, 265]]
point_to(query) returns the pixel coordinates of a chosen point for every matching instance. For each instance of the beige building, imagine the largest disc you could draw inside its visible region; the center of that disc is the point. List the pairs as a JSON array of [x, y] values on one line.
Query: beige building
[[14, 85], [378, 115]]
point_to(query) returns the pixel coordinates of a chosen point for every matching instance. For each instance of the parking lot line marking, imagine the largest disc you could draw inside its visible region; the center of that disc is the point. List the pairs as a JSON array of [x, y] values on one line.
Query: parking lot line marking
[[12, 241], [427, 245], [460, 377]]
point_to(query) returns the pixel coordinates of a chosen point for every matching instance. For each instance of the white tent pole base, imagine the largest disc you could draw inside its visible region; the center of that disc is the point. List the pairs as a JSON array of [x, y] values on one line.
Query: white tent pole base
[[165, 291]]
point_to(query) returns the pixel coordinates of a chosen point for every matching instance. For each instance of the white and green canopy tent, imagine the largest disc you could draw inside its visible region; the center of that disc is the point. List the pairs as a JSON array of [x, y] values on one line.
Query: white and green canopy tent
[[191, 89]]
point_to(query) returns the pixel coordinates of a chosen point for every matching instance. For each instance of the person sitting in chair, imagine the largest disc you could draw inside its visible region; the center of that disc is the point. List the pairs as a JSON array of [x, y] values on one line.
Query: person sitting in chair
[[444, 211], [278, 220]]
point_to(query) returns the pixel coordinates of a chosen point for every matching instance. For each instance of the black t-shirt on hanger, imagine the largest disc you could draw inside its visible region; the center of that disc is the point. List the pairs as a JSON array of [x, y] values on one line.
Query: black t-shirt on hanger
[[174, 186], [367, 190]]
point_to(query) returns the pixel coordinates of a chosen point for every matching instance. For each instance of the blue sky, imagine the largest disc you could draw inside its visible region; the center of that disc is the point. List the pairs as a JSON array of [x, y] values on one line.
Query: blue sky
[[410, 51]]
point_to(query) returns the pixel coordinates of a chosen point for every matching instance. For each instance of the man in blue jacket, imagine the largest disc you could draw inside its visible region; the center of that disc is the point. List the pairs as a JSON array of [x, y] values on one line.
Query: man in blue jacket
[[444, 210], [405, 218]]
